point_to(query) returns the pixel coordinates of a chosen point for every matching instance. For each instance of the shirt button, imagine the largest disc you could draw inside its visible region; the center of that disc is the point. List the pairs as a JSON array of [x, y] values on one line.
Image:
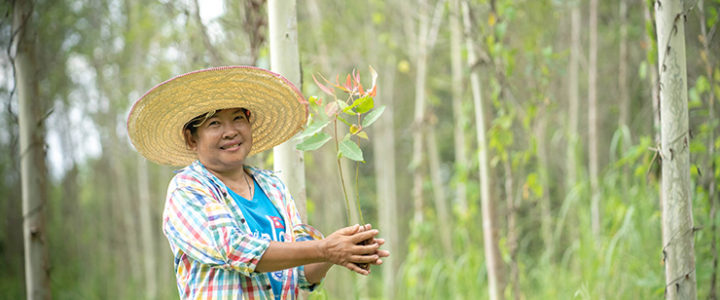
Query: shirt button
[[242, 220], [268, 287]]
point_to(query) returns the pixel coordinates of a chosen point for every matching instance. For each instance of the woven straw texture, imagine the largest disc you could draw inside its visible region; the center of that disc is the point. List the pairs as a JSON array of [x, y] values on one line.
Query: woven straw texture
[[156, 120]]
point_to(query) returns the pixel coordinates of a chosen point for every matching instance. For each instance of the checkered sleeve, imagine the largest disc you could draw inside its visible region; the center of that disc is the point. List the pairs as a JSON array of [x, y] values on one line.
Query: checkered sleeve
[[301, 232], [204, 229], [304, 232]]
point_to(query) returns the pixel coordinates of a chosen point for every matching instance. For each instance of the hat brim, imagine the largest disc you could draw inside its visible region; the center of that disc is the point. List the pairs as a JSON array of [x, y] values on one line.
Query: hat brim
[[155, 124]]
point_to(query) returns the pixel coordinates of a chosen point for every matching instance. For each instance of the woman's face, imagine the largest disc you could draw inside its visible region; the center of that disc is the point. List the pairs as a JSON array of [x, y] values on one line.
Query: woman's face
[[223, 141]]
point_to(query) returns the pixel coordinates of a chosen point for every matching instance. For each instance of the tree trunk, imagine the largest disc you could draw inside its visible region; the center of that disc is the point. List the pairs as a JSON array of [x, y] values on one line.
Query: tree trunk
[[573, 99], [461, 160], [677, 230], [443, 217], [146, 230], [652, 70], [490, 229], [592, 122], [544, 181], [624, 101], [32, 114], [254, 24], [419, 115], [425, 41], [512, 244], [147, 238], [284, 59], [384, 149], [214, 56]]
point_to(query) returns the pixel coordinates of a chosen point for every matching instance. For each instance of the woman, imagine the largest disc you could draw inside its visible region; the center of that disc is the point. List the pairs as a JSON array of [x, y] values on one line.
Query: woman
[[234, 230]]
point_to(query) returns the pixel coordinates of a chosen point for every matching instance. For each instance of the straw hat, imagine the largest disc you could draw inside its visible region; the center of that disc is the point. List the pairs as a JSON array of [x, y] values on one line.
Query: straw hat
[[156, 121]]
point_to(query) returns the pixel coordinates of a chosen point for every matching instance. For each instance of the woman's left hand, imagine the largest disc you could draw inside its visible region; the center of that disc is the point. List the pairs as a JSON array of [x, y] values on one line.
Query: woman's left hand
[[380, 253]]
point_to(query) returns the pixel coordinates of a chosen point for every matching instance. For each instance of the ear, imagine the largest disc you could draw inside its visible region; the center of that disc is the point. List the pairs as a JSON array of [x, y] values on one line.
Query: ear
[[190, 140]]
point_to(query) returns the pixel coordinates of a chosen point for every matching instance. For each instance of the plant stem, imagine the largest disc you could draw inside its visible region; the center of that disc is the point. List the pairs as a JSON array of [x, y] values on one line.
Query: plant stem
[[342, 179], [357, 194], [357, 186]]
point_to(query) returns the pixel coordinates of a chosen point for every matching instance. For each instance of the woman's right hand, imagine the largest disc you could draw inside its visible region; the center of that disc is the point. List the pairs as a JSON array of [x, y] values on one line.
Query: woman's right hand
[[341, 248]]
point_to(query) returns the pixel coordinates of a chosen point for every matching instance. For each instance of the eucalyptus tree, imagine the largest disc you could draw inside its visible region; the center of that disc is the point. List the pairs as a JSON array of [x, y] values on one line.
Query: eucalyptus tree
[[495, 269], [284, 59], [32, 115], [678, 230]]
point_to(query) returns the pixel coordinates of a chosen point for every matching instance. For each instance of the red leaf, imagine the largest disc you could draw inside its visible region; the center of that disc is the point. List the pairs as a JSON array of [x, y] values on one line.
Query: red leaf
[[356, 76], [374, 75], [348, 83], [325, 89], [337, 84]]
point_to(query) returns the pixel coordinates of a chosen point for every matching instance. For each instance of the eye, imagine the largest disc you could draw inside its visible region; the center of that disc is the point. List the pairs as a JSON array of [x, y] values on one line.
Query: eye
[[240, 117], [213, 123]]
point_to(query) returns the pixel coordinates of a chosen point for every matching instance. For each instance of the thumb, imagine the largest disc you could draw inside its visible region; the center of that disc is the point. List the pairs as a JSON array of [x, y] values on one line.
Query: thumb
[[350, 230]]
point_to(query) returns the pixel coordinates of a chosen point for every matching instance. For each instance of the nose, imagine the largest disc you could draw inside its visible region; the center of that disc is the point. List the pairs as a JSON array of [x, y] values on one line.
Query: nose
[[230, 131]]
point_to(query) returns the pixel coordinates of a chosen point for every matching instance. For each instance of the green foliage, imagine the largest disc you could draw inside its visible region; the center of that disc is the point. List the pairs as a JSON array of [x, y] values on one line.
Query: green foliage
[[359, 106], [314, 142], [349, 149]]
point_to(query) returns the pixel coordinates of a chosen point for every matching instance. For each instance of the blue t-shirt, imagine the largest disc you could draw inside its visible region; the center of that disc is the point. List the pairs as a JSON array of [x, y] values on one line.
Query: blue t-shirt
[[265, 222]]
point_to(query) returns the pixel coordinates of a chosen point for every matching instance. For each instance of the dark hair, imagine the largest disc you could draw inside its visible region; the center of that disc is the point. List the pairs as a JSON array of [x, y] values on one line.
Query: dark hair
[[196, 122]]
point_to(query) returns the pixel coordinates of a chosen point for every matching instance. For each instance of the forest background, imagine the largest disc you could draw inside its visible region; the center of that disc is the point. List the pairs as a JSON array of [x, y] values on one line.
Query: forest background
[[570, 108]]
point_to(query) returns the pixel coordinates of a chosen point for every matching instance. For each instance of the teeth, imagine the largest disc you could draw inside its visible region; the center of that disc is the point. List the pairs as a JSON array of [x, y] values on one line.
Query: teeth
[[230, 146]]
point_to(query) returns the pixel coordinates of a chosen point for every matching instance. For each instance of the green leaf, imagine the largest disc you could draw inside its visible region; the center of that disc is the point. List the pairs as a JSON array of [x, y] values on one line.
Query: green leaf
[[373, 116], [312, 129], [314, 142], [349, 149], [366, 104], [362, 105]]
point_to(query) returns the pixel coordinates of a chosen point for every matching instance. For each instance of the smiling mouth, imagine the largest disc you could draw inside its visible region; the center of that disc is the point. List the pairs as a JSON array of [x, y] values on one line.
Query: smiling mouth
[[230, 146]]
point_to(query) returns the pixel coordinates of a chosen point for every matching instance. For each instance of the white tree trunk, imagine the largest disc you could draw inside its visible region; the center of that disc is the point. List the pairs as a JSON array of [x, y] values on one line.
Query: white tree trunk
[[592, 122], [384, 149], [284, 59], [146, 230], [677, 230], [624, 96], [573, 98], [443, 217], [653, 71], [419, 115], [461, 160], [32, 110], [490, 228]]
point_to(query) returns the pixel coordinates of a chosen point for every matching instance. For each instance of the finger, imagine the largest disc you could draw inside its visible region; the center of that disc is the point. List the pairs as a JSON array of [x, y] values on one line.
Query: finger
[[367, 227], [350, 230], [359, 237], [378, 262], [363, 259], [380, 241], [366, 249], [383, 253], [353, 267]]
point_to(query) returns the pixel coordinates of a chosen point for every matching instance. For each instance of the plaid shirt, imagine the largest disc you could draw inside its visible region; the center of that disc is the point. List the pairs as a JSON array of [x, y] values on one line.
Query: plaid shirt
[[215, 254]]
